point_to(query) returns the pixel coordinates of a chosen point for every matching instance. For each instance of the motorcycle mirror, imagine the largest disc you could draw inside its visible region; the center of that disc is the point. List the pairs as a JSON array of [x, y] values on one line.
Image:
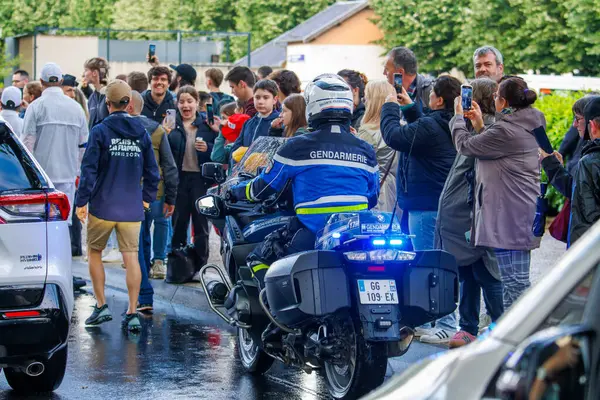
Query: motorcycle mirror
[[209, 205], [214, 171]]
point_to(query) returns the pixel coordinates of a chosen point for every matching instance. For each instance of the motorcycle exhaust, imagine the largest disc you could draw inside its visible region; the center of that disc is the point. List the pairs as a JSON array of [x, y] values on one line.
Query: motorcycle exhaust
[[36, 368]]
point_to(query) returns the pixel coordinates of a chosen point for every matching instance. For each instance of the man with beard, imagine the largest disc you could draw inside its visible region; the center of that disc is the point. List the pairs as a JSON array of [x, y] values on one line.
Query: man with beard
[[183, 75], [488, 62], [158, 99]]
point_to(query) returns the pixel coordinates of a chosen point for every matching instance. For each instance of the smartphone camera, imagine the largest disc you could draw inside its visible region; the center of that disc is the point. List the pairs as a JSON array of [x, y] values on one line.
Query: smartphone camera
[[466, 92], [398, 82]]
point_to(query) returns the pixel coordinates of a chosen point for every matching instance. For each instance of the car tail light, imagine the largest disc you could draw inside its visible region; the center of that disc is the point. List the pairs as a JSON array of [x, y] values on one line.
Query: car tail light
[[21, 314], [53, 206]]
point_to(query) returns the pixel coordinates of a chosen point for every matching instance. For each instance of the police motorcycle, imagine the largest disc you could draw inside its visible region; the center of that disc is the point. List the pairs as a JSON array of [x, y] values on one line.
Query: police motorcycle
[[343, 308]]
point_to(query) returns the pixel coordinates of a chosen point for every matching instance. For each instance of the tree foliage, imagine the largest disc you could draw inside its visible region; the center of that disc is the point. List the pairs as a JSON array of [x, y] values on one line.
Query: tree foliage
[[551, 36]]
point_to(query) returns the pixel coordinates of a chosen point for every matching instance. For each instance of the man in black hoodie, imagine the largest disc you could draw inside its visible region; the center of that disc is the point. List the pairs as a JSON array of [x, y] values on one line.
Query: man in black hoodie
[[158, 99], [118, 156]]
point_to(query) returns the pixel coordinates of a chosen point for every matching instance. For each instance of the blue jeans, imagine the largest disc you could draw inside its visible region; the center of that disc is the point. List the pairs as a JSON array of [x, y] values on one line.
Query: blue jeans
[[161, 237], [422, 225], [146, 292], [473, 279]]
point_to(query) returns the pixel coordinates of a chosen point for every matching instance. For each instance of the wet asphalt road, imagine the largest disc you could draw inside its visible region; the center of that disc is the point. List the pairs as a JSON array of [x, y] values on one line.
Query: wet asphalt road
[[181, 353]]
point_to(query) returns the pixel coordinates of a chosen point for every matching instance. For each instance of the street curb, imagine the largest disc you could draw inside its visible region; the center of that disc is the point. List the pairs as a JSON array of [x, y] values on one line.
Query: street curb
[[189, 295]]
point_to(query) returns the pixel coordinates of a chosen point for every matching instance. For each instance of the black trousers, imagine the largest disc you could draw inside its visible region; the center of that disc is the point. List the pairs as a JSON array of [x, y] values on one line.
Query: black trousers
[[290, 239], [192, 186], [75, 233]]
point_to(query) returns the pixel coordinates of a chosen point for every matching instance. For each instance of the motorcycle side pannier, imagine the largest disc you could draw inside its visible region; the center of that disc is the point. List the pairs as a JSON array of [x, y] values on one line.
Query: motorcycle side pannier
[[429, 287], [306, 285]]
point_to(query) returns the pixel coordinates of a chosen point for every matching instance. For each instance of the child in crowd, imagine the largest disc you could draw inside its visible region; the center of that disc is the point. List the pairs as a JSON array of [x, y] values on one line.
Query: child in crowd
[[292, 120], [232, 121], [265, 97], [205, 98]]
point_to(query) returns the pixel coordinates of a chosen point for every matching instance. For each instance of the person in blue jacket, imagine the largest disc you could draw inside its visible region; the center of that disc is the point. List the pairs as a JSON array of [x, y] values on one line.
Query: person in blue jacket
[[118, 157], [265, 99], [330, 171]]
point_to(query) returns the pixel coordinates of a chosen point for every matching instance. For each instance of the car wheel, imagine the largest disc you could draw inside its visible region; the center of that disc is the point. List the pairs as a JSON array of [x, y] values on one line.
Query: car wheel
[[49, 380]]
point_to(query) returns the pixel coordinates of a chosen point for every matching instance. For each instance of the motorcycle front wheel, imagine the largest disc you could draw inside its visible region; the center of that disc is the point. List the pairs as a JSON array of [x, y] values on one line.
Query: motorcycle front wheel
[[362, 365], [254, 360]]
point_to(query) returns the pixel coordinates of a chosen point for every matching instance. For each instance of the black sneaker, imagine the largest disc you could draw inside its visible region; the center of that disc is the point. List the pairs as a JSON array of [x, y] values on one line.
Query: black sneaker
[[99, 315], [131, 322]]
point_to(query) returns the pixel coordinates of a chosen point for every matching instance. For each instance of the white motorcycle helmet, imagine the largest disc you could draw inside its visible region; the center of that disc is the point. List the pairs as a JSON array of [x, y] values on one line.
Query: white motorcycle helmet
[[328, 99]]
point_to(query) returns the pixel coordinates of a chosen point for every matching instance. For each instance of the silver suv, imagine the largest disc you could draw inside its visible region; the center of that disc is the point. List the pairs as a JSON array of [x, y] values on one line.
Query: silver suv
[[36, 293]]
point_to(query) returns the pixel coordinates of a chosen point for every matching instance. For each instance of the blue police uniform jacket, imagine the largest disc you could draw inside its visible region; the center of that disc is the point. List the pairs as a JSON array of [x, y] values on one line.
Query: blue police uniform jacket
[[330, 170]]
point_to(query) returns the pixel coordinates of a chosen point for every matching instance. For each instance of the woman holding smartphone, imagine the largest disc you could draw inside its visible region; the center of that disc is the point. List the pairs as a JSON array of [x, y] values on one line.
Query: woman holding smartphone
[[507, 180], [191, 143]]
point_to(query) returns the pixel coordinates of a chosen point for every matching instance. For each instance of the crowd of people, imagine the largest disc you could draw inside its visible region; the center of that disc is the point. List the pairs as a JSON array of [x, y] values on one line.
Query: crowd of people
[[463, 180]]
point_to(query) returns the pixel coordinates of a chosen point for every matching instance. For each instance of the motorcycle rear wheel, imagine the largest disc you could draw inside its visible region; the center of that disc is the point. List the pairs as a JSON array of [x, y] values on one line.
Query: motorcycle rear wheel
[[364, 367], [254, 360]]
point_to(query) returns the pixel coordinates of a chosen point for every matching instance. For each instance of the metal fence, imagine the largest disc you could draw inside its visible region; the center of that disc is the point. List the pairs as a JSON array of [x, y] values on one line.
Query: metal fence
[[171, 45]]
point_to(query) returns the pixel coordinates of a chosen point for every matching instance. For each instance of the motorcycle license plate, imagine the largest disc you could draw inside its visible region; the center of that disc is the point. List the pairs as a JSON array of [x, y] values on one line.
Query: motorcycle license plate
[[380, 291]]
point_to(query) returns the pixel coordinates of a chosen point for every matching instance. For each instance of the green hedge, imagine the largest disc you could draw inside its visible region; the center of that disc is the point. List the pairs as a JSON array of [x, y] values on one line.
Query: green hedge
[[559, 117]]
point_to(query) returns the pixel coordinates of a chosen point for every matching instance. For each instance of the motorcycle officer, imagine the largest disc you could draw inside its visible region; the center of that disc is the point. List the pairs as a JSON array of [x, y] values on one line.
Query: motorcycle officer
[[329, 169]]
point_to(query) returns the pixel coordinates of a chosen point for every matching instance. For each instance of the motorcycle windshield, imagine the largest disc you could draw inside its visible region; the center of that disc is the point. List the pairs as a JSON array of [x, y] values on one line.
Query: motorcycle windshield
[[258, 156]]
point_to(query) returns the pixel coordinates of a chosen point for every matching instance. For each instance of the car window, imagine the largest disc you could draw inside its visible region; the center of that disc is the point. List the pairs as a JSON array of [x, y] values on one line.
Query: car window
[[571, 309], [17, 171]]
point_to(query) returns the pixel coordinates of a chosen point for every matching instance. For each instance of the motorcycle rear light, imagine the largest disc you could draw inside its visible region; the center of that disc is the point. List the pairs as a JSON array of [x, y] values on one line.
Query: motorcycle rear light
[[21, 314], [380, 255], [376, 268], [356, 256], [383, 324], [406, 256]]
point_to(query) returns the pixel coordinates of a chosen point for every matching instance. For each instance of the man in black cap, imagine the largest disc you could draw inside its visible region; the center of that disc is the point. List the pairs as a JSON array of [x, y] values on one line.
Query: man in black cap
[[69, 84], [184, 74], [585, 202]]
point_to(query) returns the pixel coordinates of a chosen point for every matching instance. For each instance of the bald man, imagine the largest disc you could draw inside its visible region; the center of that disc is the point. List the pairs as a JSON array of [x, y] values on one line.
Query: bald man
[[161, 209]]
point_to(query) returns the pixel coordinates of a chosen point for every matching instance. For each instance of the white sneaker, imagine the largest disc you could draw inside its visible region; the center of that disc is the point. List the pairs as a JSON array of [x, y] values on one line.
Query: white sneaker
[[420, 331], [484, 323], [158, 271], [112, 256], [439, 336]]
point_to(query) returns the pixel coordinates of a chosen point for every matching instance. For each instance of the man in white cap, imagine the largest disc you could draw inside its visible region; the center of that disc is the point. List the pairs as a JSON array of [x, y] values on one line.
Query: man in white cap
[[11, 101], [55, 131]]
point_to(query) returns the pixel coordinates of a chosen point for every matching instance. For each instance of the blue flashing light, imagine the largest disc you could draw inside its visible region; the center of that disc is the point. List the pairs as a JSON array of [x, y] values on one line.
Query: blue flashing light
[[336, 235], [396, 242], [379, 242]]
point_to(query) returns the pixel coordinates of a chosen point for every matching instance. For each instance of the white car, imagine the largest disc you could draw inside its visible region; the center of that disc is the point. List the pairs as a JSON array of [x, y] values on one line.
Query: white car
[[545, 347], [36, 286]]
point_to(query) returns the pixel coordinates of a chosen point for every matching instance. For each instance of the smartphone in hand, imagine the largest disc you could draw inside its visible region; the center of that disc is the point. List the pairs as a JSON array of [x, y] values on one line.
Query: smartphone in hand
[[466, 92], [210, 114], [151, 52], [169, 123], [398, 82]]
